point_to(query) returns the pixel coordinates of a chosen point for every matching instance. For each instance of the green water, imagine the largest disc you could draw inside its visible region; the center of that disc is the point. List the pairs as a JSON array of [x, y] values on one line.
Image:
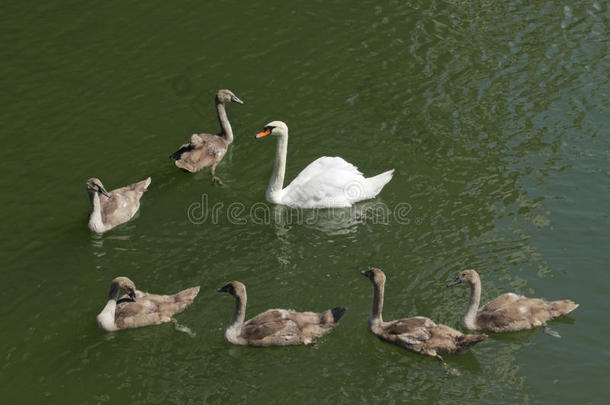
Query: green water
[[495, 116]]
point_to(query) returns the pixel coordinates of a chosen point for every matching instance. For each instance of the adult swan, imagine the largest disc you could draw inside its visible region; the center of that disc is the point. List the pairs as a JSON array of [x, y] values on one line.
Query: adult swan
[[327, 182]]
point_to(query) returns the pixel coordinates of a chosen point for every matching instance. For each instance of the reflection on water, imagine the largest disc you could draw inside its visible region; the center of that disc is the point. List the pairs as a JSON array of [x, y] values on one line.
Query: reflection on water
[[336, 221]]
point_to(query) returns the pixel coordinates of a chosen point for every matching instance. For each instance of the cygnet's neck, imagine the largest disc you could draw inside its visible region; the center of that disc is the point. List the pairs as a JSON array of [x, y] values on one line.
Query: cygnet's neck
[[96, 224], [105, 319], [240, 310], [225, 126], [470, 318], [375, 318]]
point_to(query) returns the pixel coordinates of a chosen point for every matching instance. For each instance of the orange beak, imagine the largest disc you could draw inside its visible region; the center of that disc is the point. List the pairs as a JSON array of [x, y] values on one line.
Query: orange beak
[[264, 133]]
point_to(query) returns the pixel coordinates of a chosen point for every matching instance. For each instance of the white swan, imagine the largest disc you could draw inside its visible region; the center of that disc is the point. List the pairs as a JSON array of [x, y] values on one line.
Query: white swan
[[327, 182]]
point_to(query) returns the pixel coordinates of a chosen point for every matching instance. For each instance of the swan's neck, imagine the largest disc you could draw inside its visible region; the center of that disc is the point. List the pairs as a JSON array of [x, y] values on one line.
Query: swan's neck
[[240, 311], [105, 319], [375, 317], [279, 170], [225, 127], [469, 321], [95, 213]]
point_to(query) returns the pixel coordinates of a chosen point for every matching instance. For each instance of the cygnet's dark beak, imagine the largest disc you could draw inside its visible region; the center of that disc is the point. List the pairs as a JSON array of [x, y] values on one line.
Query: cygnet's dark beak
[[224, 288], [365, 273], [235, 99], [455, 282], [106, 193], [132, 295]]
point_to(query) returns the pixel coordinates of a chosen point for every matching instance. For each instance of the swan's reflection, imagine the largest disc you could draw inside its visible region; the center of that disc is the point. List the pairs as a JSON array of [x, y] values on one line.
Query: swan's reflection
[[290, 223], [331, 221]]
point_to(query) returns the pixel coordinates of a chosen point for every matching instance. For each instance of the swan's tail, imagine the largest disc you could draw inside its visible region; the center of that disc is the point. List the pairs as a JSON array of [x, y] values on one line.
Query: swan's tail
[[376, 183], [187, 296], [338, 313], [332, 316], [145, 183], [180, 301], [141, 186]]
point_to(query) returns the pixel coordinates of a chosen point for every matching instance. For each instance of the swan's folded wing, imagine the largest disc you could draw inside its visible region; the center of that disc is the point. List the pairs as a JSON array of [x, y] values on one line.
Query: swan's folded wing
[[323, 165], [127, 307], [201, 147], [140, 320], [500, 312], [501, 302], [212, 144], [133, 314], [327, 181], [303, 319], [269, 323], [170, 305], [511, 309], [411, 330]]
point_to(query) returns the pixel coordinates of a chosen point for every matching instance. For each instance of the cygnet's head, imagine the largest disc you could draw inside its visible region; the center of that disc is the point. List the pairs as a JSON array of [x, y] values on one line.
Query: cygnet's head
[[226, 96], [235, 288], [465, 276], [277, 128], [94, 185], [125, 284], [375, 275]]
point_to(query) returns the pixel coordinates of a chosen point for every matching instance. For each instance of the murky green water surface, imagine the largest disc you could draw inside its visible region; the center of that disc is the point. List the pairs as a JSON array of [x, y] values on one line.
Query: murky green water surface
[[495, 116]]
